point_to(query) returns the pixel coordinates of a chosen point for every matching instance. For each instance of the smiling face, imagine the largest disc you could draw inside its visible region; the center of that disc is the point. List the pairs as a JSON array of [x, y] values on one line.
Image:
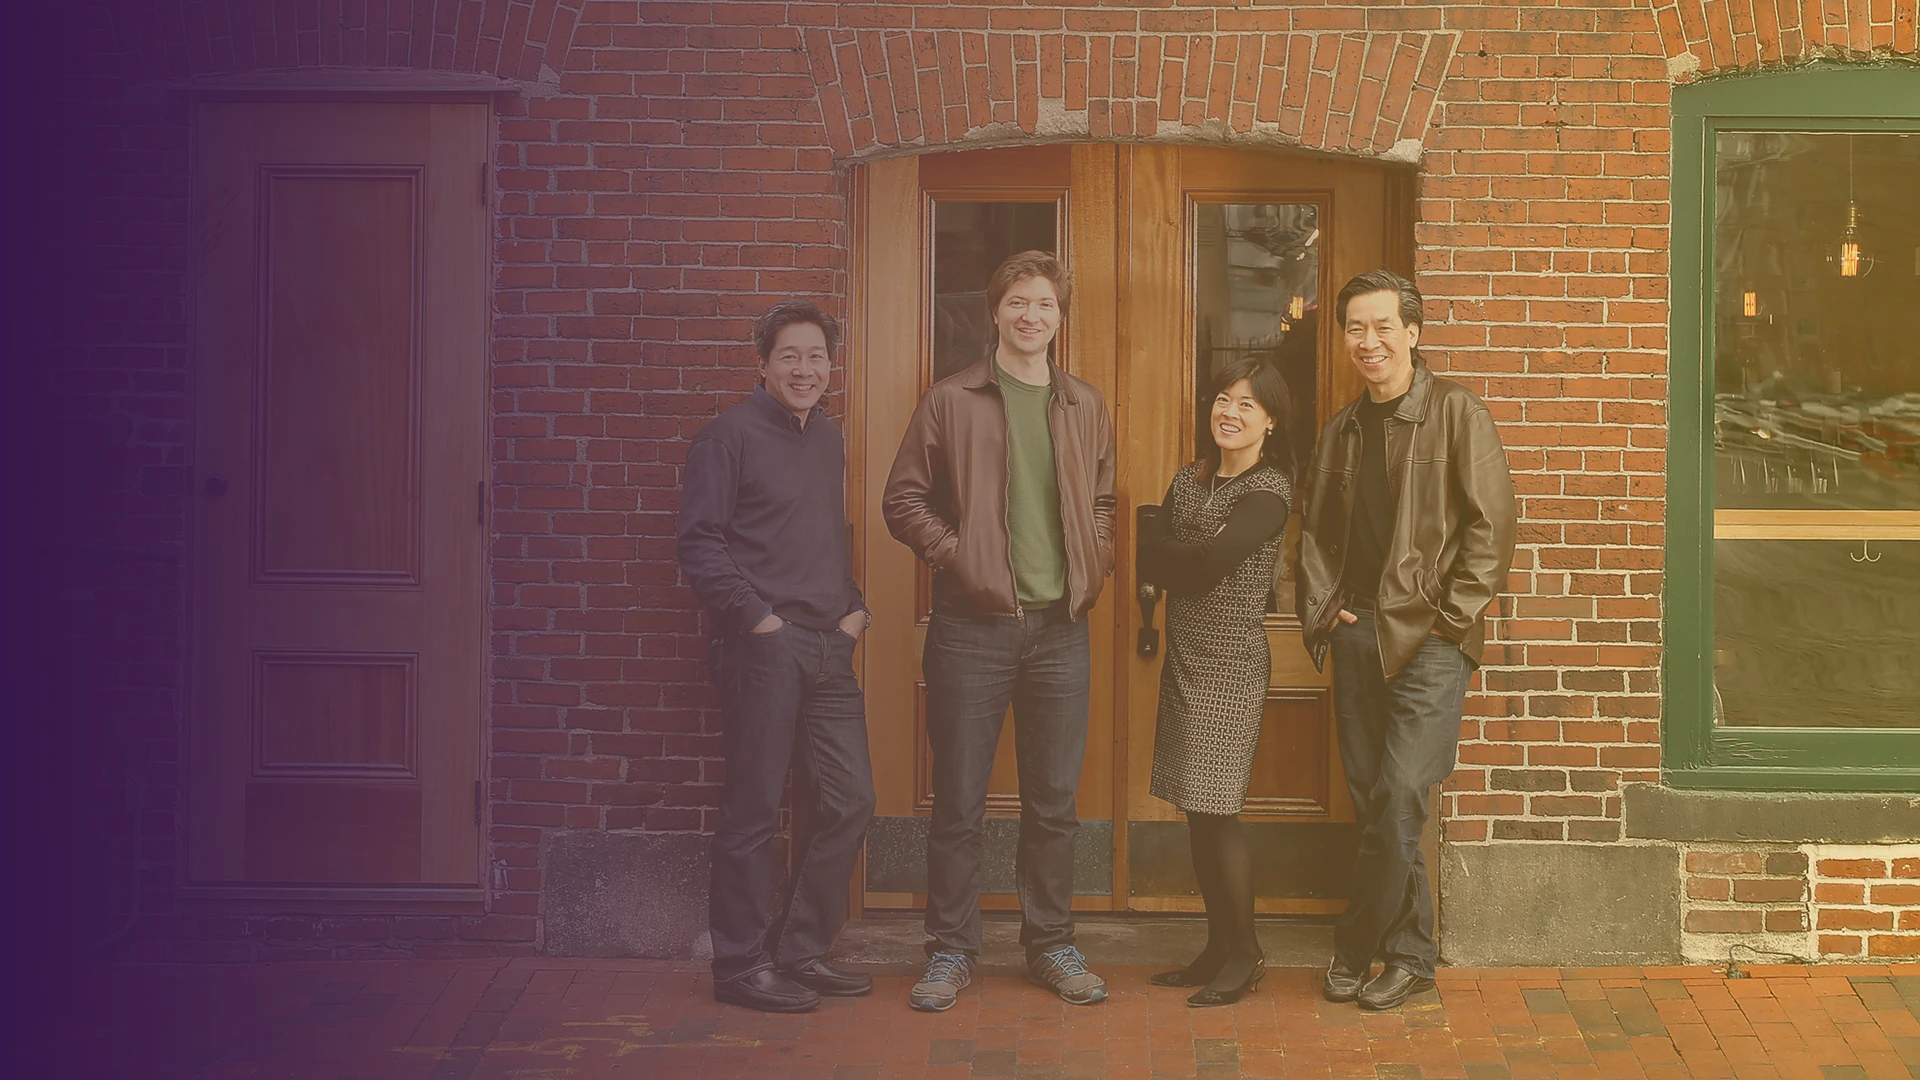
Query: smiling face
[[796, 370], [1380, 344], [1028, 316], [1239, 420]]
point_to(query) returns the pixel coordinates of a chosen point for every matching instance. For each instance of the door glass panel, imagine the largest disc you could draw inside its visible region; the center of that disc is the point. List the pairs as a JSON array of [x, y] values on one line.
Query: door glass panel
[[971, 239], [1816, 430], [1256, 293]]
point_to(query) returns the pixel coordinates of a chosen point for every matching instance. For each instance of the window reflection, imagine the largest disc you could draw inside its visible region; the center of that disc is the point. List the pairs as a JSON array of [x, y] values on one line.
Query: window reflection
[[1816, 584], [1257, 294], [970, 239], [1816, 372]]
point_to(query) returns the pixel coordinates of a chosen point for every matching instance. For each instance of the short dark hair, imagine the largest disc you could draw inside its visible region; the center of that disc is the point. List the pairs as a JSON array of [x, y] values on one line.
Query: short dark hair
[[1374, 281], [1021, 267], [788, 313], [1270, 389]]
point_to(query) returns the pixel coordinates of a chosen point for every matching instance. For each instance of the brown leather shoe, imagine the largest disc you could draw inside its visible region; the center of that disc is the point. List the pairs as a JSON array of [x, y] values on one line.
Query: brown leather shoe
[[816, 976], [766, 990]]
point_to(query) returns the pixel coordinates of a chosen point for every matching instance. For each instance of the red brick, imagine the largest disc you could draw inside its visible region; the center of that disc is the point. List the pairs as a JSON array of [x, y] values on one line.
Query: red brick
[[1853, 919], [1705, 921], [1839, 945], [1894, 945], [1853, 868], [1896, 895]]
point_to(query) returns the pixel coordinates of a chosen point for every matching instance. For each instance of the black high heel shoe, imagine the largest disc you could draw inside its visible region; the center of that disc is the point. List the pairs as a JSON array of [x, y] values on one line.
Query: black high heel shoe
[[1198, 973], [1208, 997]]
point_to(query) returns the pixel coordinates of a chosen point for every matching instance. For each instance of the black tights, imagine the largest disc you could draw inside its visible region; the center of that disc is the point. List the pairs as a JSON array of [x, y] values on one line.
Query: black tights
[[1224, 865]]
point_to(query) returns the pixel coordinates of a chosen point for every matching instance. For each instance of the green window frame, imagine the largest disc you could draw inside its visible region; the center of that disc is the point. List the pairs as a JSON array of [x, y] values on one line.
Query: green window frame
[[1697, 753]]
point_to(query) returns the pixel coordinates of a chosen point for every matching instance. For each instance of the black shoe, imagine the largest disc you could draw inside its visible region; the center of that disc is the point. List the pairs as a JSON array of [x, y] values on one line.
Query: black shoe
[[1198, 973], [816, 976], [1340, 985], [1209, 997], [768, 991], [1391, 988]]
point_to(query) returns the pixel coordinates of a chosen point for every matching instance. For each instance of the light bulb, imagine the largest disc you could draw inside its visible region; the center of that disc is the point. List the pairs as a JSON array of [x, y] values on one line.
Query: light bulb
[[1750, 303], [1849, 259]]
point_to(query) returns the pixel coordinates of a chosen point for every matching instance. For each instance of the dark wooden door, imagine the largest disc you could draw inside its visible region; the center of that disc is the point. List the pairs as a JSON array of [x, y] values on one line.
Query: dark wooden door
[[339, 451]]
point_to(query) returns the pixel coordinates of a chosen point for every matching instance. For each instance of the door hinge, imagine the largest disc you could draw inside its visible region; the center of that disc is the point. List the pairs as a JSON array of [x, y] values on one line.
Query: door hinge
[[480, 502], [485, 181], [477, 796]]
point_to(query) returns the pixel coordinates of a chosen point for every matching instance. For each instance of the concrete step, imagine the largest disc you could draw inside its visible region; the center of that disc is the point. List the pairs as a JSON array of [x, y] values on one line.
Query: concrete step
[[891, 945]]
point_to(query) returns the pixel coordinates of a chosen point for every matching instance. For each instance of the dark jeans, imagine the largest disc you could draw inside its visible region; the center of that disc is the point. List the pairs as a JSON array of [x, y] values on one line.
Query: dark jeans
[[1398, 737], [975, 668], [788, 698]]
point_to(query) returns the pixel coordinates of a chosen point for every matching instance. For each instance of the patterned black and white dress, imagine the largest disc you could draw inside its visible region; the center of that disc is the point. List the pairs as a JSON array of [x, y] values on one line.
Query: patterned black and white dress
[[1213, 681]]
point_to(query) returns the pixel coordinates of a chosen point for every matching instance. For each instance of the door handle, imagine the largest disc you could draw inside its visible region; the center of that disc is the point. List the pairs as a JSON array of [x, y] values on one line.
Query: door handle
[[1148, 643], [215, 485]]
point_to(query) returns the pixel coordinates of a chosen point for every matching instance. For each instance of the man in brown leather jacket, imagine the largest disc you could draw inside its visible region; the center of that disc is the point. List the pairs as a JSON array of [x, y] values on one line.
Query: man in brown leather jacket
[[1408, 533], [1004, 486]]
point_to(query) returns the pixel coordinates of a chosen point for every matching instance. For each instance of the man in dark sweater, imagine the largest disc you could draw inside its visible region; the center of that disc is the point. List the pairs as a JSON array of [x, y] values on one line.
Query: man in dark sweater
[[1409, 529], [763, 541]]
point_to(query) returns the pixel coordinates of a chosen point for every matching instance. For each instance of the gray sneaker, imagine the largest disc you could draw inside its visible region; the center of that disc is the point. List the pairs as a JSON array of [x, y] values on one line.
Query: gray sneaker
[[1064, 971], [947, 974]]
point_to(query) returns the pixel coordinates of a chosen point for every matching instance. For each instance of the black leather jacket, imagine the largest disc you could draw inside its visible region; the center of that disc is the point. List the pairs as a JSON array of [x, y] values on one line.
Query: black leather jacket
[[1454, 522]]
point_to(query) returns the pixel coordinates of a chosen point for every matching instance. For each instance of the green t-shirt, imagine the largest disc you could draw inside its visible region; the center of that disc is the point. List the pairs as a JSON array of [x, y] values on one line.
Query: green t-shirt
[[1037, 544]]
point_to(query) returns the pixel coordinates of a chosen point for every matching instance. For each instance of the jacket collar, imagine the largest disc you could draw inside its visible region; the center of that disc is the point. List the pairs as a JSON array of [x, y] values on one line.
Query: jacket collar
[[779, 413], [979, 376], [1413, 404]]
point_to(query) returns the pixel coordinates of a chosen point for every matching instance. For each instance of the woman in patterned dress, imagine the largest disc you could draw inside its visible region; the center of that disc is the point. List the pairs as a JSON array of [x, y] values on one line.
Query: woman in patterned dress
[[1212, 548]]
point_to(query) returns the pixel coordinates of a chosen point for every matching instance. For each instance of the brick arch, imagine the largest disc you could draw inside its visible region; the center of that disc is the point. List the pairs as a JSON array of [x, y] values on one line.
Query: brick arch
[[884, 91], [512, 39], [1715, 36]]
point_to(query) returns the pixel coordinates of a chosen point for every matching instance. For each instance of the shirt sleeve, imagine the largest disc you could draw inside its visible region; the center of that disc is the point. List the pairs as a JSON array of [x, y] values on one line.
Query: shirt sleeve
[[1189, 568], [700, 536]]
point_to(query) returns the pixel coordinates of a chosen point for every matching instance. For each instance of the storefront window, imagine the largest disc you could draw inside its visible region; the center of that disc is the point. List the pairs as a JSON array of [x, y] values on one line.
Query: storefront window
[[1816, 407], [1792, 585]]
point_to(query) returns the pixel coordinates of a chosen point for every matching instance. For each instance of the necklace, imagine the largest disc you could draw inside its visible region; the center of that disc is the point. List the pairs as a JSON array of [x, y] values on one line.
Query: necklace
[[1213, 486]]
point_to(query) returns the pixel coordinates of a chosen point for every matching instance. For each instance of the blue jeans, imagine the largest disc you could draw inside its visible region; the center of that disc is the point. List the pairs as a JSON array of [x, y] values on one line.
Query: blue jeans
[[1398, 737], [977, 666], [788, 699]]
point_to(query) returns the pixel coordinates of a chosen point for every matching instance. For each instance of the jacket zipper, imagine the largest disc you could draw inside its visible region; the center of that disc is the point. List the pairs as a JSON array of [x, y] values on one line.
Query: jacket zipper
[[1006, 500], [1346, 545]]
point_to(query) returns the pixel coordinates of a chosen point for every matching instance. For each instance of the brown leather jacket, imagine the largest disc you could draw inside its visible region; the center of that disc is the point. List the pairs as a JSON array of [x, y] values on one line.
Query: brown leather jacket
[[946, 497], [1453, 530]]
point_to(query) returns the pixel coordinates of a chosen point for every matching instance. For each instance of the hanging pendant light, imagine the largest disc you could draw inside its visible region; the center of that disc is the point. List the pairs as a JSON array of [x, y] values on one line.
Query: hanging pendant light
[[1848, 257]]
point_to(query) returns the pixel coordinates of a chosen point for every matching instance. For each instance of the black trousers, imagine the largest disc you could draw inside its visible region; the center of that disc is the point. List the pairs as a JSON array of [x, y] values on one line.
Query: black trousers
[[789, 699], [1398, 737]]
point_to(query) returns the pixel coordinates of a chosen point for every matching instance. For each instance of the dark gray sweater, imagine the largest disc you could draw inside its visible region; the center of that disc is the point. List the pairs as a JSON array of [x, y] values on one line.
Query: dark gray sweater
[[763, 524]]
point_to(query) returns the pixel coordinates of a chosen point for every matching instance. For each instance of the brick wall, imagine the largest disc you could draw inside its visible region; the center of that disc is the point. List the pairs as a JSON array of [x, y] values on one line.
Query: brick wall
[[1745, 896], [1866, 901], [668, 168], [1810, 901]]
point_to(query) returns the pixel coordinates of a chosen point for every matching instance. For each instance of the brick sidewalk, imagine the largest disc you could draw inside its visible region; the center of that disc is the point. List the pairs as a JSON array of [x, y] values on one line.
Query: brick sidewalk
[[547, 1019]]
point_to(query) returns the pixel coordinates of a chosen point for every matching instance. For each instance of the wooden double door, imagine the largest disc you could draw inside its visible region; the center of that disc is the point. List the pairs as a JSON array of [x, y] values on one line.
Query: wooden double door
[[1183, 259]]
